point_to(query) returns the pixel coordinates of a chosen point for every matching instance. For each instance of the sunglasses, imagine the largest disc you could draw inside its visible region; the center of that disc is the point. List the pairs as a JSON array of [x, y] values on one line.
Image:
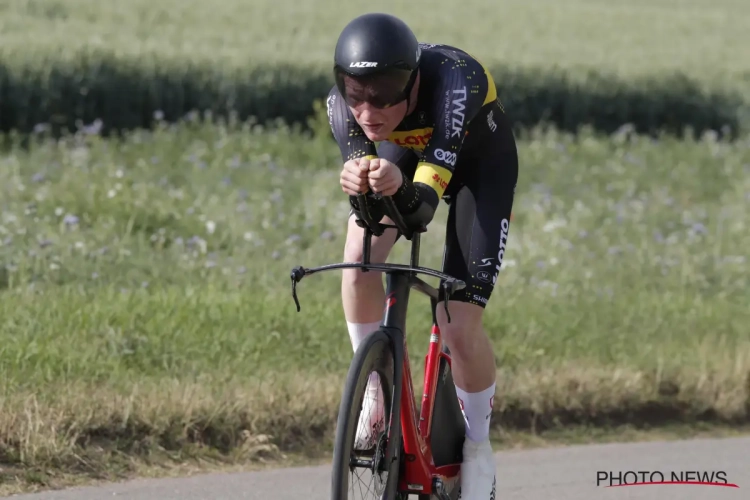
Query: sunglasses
[[381, 90]]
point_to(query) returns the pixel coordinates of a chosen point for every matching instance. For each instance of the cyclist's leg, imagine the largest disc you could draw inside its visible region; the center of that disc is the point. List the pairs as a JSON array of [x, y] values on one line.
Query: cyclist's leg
[[363, 296], [476, 237]]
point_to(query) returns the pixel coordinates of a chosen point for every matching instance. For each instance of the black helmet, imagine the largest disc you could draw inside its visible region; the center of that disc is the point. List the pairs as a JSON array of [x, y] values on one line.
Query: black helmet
[[379, 54]]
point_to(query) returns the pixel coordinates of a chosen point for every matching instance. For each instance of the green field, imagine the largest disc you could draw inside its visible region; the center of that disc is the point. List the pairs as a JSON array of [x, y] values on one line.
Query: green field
[[146, 298], [661, 65], [634, 38], [144, 283]]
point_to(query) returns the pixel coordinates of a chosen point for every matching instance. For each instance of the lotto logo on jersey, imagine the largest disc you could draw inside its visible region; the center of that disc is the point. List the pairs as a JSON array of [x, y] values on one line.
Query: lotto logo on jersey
[[446, 156], [413, 140], [439, 181], [504, 225]]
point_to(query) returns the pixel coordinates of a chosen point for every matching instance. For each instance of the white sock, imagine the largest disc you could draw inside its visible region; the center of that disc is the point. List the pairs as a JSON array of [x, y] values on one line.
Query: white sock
[[477, 410], [357, 333]]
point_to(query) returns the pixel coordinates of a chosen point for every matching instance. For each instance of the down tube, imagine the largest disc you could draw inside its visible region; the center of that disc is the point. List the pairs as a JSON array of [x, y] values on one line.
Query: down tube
[[417, 475]]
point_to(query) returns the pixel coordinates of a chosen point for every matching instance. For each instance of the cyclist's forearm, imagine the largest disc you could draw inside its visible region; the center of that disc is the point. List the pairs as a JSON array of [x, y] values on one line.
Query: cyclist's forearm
[[416, 202]]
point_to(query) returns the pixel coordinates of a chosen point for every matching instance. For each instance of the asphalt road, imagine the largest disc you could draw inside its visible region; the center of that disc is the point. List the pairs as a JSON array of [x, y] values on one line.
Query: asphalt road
[[566, 473]]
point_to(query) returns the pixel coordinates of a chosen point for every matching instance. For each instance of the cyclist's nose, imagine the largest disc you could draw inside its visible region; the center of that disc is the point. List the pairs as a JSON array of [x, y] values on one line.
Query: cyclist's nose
[[368, 113]]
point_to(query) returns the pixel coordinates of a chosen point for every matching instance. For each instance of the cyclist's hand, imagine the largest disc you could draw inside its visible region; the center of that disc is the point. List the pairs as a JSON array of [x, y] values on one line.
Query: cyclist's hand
[[353, 176], [385, 177]]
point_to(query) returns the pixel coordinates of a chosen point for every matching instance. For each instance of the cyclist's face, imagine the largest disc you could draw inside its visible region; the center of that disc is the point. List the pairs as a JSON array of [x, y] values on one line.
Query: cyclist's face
[[377, 106], [378, 123]]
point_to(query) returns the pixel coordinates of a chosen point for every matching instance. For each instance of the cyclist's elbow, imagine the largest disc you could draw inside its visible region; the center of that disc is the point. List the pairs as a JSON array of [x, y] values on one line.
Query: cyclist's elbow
[[426, 207], [421, 216]]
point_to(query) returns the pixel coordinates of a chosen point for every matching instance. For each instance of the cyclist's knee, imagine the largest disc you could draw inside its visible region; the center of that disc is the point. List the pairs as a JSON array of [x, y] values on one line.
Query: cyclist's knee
[[380, 246], [464, 331], [353, 245], [353, 248]]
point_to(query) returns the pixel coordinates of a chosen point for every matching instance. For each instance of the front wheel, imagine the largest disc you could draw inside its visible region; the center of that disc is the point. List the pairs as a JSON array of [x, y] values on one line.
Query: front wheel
[[370, 474]]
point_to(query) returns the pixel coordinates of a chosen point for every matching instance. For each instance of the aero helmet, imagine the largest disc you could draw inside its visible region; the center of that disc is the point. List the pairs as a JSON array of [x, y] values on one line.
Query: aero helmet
[[376, 60]]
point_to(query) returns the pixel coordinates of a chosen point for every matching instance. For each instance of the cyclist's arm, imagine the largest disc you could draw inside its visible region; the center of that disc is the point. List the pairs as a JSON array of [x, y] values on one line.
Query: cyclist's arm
[[457, 101], [352, 141]]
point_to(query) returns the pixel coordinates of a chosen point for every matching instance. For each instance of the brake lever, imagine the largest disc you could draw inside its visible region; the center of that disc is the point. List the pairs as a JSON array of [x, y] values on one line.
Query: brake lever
[[297, 274], [447, 292]]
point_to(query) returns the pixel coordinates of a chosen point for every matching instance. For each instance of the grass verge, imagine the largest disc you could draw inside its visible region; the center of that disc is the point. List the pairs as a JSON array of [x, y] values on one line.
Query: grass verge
[[147, 316]]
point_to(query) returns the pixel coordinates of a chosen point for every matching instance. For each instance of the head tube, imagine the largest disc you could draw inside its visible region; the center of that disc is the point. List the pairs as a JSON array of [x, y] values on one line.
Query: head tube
[[381, 90]]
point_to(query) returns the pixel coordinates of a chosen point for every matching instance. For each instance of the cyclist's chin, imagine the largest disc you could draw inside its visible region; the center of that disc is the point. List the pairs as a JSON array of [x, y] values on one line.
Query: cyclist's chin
[[378, 133]]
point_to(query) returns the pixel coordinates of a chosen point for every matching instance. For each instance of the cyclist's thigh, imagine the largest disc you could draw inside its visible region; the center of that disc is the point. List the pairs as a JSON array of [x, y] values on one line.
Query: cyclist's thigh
[[478, 223], [380, 246]]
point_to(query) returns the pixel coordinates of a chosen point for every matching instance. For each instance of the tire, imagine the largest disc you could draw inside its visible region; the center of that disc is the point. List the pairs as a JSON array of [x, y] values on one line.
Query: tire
[[374, 354]]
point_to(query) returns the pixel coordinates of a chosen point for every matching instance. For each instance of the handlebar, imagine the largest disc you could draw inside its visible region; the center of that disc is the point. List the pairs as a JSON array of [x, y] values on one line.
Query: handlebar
[[448, 285], [391, 211]]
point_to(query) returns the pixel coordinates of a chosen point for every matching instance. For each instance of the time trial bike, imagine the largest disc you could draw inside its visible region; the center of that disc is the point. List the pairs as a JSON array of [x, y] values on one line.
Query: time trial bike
[[416, 452]]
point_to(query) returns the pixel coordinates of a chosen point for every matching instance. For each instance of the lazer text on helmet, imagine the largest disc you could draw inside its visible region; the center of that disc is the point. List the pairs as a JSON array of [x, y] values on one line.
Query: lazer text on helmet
[[363, 64]]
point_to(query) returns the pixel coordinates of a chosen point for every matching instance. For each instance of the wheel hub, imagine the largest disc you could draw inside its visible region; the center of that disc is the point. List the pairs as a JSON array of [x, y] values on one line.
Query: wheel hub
[[378, 462]]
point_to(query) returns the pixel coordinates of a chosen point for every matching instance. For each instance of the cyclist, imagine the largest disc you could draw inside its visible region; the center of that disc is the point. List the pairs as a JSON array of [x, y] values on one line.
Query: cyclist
[[442, 133]]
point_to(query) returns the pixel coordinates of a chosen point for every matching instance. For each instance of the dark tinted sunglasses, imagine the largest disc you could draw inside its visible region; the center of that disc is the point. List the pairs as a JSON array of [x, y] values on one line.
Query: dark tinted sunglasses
[[381, 90]]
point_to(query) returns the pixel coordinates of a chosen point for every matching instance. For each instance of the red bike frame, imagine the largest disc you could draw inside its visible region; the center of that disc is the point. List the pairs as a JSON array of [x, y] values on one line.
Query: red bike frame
[[419, 470]]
